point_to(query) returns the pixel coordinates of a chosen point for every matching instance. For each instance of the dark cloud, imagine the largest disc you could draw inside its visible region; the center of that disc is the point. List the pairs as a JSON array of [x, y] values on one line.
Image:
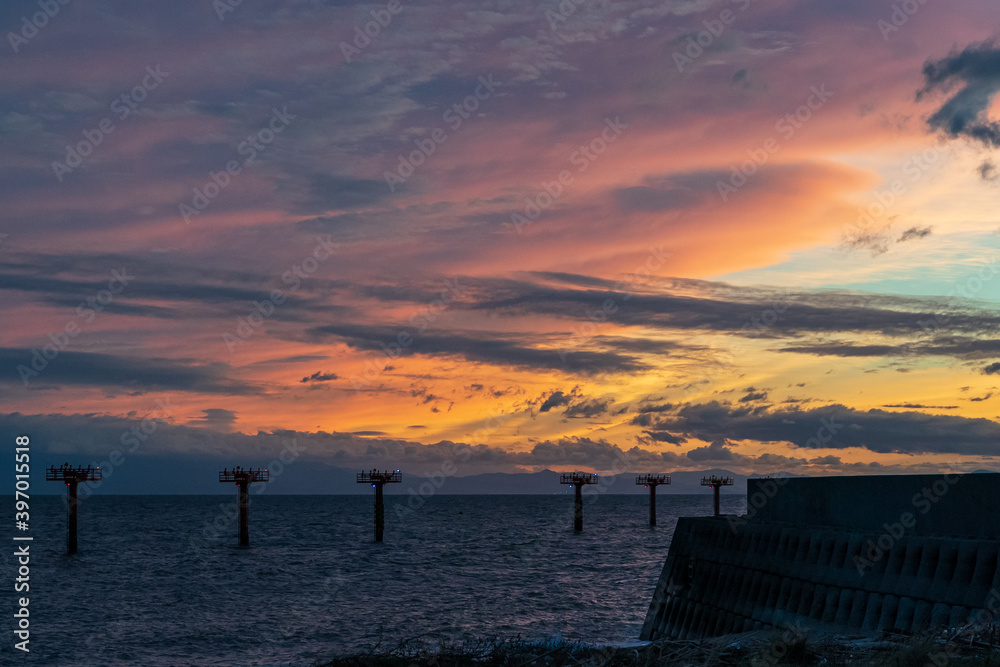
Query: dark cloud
[[480, 347], [319, 376], [96, 436], [918, 406], [108, 370], [656, 407], [975, 71], [574, 279], [599, 454], [837, 427], [218, 419], [873, 240], [952, 346], [69, 281], [988, 171], [589, 408], [663, 436], [335, 224], [717, 451], [329, 192], [914, 233], [643, 198], [292, 359], [679, 304], [577, 406], [555, 399], [754, 396], [992, 369]]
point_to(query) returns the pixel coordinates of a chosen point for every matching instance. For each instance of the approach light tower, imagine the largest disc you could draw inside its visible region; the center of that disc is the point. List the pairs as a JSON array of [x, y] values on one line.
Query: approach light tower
[[651, 482], [715, 483], [577, 480], [378, 479], [72, 477], [243, 478]]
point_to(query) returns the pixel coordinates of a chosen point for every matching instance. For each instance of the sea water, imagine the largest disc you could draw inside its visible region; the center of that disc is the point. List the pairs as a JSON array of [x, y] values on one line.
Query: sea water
[[161, 580]]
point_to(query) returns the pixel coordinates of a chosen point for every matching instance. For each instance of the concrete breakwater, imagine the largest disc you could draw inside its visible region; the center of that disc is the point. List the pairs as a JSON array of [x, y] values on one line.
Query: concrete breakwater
[[855, 554]]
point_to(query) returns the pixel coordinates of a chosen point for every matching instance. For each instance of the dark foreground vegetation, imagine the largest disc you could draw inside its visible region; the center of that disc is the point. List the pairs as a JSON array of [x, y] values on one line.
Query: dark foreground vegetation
[[755, 649]]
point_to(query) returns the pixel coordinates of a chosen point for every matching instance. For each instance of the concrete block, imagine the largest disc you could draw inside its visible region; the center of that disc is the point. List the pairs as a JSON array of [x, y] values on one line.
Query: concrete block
[[922, 616], [873, 612], [844, 602], [947, 563], [940, 615], [904, 615], [887, 619], [859, 606], [829, 612]]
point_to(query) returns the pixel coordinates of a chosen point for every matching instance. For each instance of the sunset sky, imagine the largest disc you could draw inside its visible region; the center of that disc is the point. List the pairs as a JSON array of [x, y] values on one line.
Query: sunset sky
[[759, 235]]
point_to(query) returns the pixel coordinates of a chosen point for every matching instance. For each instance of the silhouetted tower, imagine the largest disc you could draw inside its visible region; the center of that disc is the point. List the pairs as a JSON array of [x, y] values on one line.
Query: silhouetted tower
[[72, 477], [577, 480], [378, 479], [651, 482], [244, 478], [715, 483]]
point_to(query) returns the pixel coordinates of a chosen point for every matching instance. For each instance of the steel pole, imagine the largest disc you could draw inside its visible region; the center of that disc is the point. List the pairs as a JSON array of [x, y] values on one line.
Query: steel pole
[[652, 504], [244, 503], [379, 513], [72, 504], [578, 509]]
